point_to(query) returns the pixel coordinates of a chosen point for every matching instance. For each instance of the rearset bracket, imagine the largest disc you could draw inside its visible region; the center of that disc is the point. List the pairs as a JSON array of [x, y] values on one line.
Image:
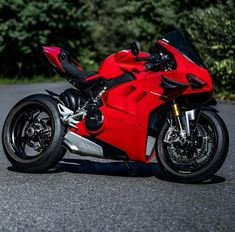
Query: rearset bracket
[[68, 117]]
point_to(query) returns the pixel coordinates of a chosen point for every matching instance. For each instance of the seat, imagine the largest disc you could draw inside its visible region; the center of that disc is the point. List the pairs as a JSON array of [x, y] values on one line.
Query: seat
[[73, 71]]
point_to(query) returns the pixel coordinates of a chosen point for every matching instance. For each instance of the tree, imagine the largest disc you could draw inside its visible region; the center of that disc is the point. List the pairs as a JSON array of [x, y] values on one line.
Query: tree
[[213, 32], [27, 25]]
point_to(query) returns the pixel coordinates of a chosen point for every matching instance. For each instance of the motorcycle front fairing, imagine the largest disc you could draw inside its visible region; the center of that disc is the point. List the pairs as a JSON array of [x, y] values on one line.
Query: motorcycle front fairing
[[127, 107]]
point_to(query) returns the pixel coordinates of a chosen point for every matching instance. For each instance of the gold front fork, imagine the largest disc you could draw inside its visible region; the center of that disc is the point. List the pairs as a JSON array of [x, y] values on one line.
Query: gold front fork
[[176, 114], [175, 109]]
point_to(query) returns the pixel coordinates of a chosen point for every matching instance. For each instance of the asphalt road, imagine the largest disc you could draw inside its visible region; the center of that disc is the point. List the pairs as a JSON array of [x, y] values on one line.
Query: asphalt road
[[101, 195]]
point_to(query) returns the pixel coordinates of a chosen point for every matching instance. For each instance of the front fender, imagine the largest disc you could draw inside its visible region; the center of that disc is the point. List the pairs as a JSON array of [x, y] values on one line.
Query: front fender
[[209, 108]]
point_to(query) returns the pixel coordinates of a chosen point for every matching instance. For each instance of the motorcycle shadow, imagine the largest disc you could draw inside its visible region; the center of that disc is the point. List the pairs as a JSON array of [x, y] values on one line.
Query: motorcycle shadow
[[113, 168], [117, 168]]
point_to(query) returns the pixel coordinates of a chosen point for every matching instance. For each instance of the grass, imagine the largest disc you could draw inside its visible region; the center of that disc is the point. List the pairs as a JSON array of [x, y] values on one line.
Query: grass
[[225, 95], [24, 80]]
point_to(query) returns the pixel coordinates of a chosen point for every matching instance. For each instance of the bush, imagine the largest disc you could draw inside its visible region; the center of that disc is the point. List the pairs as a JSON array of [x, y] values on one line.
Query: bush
[[27, 25], [213, 31]]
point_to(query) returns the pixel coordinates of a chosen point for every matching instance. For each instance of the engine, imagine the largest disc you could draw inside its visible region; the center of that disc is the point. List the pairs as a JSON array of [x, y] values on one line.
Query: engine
[[73, 99]]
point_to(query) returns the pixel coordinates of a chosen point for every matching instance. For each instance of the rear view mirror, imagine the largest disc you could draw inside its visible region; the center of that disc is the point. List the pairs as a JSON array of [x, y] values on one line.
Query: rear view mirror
[[135, 48]]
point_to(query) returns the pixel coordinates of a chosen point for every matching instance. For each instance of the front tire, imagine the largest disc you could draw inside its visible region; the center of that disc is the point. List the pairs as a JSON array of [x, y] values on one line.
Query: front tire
[[33, 133], [203, 168]]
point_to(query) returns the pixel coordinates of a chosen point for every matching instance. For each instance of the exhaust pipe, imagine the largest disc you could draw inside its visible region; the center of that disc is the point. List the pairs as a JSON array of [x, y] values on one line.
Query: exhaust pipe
[[79, 145]]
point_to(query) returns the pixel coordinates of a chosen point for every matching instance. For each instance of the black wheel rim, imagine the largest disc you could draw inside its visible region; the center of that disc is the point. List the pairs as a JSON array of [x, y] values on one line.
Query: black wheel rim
[[195, 162], [31, 131]]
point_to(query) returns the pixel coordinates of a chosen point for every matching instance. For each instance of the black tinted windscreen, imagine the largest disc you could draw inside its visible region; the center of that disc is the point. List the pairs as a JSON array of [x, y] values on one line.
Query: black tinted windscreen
[[181, 40]]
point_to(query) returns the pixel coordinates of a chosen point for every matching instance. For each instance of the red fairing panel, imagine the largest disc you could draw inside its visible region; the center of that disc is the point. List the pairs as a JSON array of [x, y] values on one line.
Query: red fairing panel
[[126, 108], [186, 66], [52, 55], [117, 63]]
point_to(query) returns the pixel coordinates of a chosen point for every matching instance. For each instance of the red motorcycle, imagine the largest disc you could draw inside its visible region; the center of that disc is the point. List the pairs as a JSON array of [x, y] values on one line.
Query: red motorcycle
[[136, 106]]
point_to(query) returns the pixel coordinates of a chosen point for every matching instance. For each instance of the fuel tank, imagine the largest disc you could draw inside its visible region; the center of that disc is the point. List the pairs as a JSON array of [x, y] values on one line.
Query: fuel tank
[[120, 62]]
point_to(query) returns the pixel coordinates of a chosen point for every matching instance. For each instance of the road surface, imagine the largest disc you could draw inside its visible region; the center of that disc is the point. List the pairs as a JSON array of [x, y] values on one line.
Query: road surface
[[87, 194]]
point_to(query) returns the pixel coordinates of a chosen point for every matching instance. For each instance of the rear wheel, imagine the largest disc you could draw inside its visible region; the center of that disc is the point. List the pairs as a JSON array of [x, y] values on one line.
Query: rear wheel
[[200, 157], [33, 133]]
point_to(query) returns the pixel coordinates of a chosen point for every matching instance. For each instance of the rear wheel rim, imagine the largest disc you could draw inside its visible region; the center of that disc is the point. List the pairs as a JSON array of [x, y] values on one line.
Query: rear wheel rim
[[31, 132]]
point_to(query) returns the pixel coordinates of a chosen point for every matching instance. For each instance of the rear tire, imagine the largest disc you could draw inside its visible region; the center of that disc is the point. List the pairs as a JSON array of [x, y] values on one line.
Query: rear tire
[[214, 162], [26, 132]]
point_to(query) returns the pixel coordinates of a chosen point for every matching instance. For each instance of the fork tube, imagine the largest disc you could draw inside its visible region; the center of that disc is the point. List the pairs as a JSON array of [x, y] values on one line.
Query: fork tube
[[176, 114]]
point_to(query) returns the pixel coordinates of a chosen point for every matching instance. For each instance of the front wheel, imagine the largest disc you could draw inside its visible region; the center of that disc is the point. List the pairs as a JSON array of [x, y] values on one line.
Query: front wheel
[[33, 133], [199, 158]]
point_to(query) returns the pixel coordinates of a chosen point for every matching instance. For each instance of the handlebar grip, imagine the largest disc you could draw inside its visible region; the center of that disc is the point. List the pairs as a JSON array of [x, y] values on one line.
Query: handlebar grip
[[147, 58]]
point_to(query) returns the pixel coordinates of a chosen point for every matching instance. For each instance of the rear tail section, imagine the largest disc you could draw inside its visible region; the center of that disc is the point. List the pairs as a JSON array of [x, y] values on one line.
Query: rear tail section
[[52, 54], [56, 56]]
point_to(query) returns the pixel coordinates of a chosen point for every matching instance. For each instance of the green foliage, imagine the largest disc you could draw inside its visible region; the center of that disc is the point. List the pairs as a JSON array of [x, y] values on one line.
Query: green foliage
[[113, 25], [33, 79], [213, 31], [27, 25], [93, 29], [88, 59]]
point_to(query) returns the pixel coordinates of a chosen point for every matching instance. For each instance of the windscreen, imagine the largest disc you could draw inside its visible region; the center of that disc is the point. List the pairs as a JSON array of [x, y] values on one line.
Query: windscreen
[[181, 40]]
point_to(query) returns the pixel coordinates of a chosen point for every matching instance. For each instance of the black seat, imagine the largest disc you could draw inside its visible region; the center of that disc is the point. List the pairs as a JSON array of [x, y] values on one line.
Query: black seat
[[73, 71]]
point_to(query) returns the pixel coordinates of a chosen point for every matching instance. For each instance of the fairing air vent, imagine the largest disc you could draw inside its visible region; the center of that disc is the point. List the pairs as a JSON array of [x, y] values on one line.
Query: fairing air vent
[[195, 82], [168, 83]]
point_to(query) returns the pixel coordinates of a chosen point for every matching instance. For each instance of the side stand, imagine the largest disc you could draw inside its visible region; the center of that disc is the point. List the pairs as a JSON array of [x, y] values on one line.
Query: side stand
[[129, 168]]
